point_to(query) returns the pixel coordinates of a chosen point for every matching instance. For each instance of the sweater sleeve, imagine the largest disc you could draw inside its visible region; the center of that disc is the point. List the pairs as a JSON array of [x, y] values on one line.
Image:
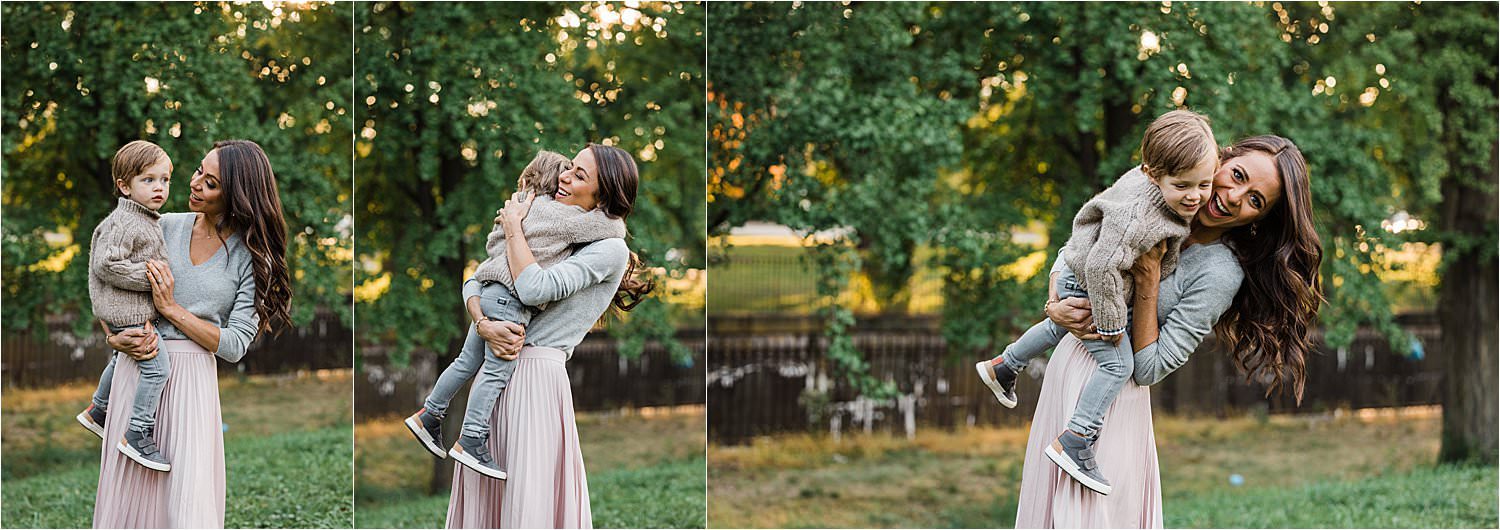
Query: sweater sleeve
[[1203, 302], [1104, 277], [595, 263], [243, 323], [111, 260]]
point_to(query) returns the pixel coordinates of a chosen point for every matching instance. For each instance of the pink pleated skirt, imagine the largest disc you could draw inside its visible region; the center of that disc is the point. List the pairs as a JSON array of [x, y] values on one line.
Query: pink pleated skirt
[[1126, 454], [190, 434], [534, 438]]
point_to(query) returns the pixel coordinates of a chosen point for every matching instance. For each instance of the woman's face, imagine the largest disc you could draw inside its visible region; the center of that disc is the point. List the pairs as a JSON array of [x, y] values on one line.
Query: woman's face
[[580, 186], [1245, 188], [205, 190]]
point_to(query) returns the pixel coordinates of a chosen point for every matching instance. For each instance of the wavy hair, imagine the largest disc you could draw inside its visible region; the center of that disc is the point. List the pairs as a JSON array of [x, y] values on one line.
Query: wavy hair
[[618, 180], [1267, 326], [253, 210]]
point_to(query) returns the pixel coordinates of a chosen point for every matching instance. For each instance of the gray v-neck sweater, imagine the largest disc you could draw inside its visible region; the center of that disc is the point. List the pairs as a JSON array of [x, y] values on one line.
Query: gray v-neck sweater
[[220, 290], [1189, 303]]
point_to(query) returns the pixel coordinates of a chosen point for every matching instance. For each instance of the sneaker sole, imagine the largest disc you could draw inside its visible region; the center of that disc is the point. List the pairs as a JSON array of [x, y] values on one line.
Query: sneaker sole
[[414, 425], [989, 381], [1072, 470], [463, 457], [135, 455], [88, 423]]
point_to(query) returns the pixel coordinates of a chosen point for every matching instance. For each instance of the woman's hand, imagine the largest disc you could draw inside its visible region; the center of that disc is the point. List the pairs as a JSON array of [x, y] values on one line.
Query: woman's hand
[[162, 285], [1074, 315], [505, 338], [514, 212], [138, 343], [1146, 273]]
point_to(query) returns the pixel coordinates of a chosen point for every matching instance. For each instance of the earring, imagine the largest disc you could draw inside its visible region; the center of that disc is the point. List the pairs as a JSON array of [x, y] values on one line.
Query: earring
[[1252, 229]]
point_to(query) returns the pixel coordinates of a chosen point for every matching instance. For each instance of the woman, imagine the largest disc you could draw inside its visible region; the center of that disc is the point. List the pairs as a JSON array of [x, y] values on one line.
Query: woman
[[535, 438], [1252, 257], [224, 282]]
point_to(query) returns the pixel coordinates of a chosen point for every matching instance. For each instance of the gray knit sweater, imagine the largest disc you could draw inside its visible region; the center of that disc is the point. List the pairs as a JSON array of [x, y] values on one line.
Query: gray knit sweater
[[579, 289], [1110, 232], [119, 290], [1189, 303], [552, 228], [220, 290]]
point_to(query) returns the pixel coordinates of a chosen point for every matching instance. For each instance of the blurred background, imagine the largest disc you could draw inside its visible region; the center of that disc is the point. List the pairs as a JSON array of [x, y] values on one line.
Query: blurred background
[[83, 79], [452, 100], [888, 183]]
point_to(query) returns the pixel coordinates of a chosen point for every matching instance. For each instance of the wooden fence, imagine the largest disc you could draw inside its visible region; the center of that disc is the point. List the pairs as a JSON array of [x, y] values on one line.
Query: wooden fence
[[60, 357], [602, 379], [767, 375]]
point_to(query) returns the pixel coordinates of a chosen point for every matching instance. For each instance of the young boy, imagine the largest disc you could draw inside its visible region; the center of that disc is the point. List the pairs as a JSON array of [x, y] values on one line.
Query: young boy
[[1151, 204], [552, 229], [120, 291]]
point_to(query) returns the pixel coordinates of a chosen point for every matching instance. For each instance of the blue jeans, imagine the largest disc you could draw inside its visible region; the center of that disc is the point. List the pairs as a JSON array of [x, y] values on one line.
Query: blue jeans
[[497, 302], [154, 373], [1115, 361]]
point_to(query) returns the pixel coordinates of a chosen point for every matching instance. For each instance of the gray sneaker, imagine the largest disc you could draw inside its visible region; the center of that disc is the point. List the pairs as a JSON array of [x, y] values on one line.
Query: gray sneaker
[[141, 447], [429, 431], [1075, 455], [92, 418], [475, 454], [1000, 379]]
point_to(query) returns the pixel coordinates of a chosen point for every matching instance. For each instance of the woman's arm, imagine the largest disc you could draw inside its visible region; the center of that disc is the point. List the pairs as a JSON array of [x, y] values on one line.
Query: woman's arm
[[595, 263], [518, 253], [1204, 299], [229, 342], [1146, 278]]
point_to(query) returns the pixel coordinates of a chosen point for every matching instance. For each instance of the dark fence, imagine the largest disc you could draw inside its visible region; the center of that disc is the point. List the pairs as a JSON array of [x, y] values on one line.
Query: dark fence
[[60, 357], [768, 375], [602, 379]]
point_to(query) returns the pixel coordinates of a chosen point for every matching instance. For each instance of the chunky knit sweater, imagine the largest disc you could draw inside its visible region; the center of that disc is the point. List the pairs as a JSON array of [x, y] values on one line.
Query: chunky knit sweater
[[1110, 232], [122, 243], [552, 228]]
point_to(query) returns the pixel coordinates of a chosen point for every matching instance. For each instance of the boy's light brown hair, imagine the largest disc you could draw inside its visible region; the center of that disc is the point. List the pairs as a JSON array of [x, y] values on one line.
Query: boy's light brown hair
[[540, 176], [132, 160], [1176, 142]]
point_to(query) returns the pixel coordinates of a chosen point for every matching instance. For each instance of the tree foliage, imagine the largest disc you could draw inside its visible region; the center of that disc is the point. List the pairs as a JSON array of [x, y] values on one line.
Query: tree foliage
[[455, 100], [83, 79], [958, 126]]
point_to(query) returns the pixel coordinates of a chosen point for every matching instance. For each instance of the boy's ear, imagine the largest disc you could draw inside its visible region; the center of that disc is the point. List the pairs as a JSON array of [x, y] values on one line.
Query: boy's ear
[[123, 186]]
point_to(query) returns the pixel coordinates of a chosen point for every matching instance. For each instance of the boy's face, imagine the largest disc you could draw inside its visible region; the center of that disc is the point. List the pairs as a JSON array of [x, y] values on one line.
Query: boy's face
[[1187, 192], [150, 187]]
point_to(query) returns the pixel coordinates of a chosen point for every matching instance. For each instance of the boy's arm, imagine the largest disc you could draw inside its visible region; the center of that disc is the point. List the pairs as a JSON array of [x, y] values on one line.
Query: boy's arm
[[1104, 273], [110, 260], [550, 220]]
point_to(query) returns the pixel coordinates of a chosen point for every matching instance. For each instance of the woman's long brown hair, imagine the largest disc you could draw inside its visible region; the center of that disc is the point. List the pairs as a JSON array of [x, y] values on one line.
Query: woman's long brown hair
[[1266, 328], [618, 179], [253, 210]]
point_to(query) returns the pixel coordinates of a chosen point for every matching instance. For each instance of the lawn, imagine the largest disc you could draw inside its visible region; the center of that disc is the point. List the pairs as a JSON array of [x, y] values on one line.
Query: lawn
[[1297, 471], [287, 453], [646, 470], [759, 279]]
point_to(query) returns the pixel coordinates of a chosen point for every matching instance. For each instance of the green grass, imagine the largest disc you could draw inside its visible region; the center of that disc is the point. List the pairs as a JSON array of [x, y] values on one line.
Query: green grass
[[970, 477], [645, 471], [661, 496], [287, 454], [1432, 497], [291, 480]]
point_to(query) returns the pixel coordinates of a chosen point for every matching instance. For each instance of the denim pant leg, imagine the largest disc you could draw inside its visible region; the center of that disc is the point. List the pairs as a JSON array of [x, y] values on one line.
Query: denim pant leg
[[497, 303], [1040, 338], [456, 374], [1115, 363], [154, 374], [106, 379]]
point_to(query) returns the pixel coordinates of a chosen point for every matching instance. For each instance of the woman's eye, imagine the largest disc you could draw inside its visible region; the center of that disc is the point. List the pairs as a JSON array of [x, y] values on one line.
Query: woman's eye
[[1255, 201], [1239, 175]]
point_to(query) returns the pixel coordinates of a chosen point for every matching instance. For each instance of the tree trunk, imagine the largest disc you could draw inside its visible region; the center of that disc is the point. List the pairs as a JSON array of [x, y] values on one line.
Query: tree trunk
[[1467, 307]]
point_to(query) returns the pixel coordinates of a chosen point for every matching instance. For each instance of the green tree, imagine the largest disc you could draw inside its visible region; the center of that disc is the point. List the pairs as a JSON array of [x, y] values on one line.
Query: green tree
[[82, 79]]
